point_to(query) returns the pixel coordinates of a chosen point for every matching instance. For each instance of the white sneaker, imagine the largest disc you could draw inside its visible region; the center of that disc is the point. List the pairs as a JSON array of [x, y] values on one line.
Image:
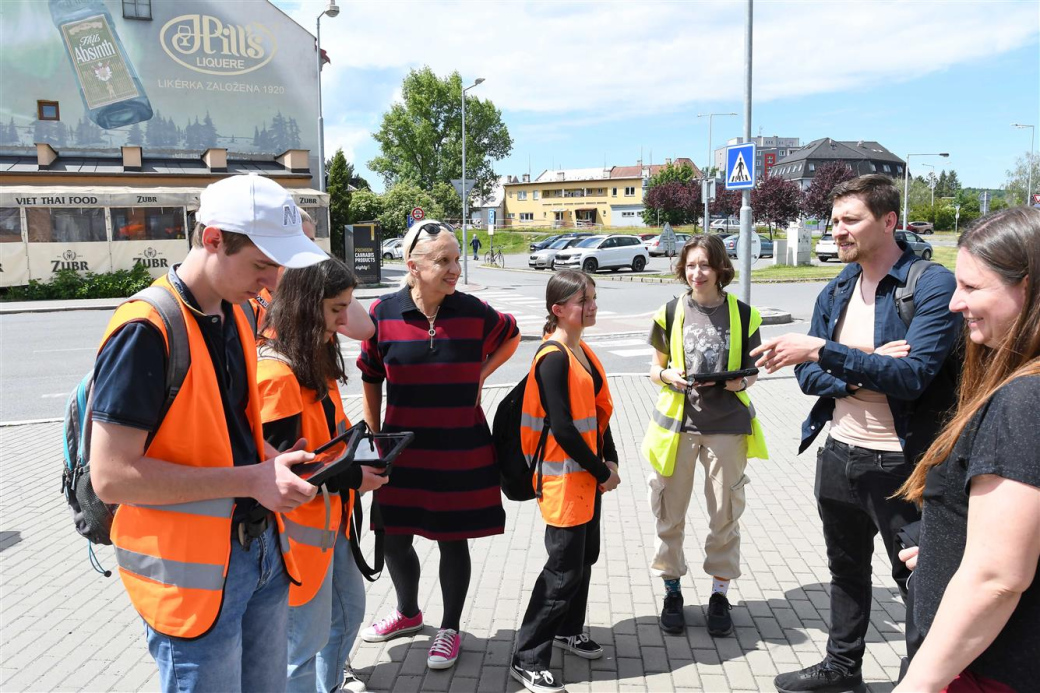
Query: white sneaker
[[351, 682]]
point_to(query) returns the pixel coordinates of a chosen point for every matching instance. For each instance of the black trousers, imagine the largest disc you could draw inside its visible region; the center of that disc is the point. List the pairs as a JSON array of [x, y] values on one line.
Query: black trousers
[[853, 486], [561, 593]]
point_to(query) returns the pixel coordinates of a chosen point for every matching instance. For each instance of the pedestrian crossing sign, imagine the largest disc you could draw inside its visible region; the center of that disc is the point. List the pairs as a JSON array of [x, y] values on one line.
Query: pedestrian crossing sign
[[740, 166]]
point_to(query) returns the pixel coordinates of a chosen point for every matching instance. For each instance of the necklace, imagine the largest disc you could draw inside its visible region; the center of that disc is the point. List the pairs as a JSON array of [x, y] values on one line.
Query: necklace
[[706, 311], [431, 318]]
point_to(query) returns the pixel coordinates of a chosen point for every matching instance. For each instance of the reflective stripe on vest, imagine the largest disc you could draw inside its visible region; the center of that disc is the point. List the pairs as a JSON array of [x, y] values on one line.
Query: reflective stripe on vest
[[311, 529], [568, 491], [661, 441], [170, 556]]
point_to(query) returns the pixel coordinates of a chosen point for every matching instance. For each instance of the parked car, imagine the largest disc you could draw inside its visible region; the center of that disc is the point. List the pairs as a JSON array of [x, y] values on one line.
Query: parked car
[[920, 246], [646, 236], [604, 252], [826, 248], [921, 227], [546, 258], [393, 249], [546, 242], [765, 245], [728, 224], [655, 249]]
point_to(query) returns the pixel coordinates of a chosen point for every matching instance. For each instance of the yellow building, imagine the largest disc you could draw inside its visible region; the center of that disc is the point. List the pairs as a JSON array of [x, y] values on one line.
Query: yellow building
[[583, 197]]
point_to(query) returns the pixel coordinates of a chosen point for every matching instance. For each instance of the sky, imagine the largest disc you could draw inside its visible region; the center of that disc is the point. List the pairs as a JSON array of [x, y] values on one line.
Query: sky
[[583, 83]]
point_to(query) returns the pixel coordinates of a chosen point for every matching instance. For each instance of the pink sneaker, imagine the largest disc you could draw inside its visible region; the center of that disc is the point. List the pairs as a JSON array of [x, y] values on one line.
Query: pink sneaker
[[393, 626], [444, 650]]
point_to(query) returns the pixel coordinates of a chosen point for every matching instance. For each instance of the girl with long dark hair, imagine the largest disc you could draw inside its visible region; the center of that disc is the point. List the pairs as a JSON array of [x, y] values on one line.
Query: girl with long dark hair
[[975, 593], [298, 371]]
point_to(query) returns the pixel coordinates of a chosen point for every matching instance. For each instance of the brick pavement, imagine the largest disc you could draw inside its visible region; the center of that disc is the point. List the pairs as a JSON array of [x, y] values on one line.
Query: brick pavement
[[63, 627]]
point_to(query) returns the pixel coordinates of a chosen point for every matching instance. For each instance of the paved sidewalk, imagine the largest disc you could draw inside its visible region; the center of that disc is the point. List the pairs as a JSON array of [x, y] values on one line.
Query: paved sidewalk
[[64, 627]]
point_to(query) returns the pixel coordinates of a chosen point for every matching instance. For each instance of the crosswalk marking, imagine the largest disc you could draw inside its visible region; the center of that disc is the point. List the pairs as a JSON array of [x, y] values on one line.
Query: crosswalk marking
[[643, 351], [614, 343]]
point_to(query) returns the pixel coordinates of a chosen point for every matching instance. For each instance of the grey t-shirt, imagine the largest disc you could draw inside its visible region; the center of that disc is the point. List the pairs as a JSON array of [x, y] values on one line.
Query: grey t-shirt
[[706, 335]]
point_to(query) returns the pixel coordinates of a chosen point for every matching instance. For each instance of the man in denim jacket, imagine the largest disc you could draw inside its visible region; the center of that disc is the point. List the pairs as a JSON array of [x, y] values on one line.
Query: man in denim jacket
[[884, 387]]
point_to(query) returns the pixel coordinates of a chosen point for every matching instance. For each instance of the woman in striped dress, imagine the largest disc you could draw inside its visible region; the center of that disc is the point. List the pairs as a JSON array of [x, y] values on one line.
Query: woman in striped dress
[[434, 347]]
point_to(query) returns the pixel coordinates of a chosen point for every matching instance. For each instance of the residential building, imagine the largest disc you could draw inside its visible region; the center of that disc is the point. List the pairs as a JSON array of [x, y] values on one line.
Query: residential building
[[104, 150], [864, 156], [480, 206], [768, 151], [583, 197]]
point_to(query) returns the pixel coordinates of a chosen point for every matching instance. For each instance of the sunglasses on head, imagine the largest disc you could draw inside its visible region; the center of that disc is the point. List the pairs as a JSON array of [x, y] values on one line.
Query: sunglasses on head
[[430, 228]]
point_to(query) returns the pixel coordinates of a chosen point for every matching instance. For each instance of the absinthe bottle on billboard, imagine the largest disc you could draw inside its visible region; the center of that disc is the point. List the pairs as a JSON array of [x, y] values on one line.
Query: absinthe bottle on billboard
[[108, 83]]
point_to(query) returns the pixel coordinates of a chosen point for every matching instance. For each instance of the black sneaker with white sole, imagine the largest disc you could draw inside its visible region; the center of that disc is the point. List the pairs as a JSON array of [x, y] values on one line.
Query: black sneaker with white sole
[[581, 645], [536, 681], [720, 623]]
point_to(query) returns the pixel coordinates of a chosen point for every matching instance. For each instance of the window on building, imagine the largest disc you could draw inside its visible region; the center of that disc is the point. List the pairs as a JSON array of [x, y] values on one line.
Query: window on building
[[47, 110], [510, 216], [148, 223], [783, 152], [536, 194], [812, 167], [521, 194], [10, 225], [526, 216], [899, 169], [65, 224], [137, 9], [873, 168], [630, 192], [888, 169], [320, 215], [628, 214], [510, 194], [613, 192]]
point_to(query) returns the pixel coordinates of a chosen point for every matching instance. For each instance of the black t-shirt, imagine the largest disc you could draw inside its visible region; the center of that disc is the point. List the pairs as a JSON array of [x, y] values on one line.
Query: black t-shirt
[[130, 380], [1004, 440]]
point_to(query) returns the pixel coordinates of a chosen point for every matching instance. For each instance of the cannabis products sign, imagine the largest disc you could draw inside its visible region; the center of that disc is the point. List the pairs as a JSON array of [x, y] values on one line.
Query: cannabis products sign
[[198, 74]]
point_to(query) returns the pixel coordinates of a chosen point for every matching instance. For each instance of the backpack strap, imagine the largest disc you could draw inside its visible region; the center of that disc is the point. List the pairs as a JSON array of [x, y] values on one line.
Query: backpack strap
[[543, 440], [357, 520], [251, 312], [904, 295], [744, 314], [179, 351], [669, 318]]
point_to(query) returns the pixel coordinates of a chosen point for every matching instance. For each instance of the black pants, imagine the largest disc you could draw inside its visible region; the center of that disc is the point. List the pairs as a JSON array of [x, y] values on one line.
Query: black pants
[[853, 486], [561, 593], [454, 575]]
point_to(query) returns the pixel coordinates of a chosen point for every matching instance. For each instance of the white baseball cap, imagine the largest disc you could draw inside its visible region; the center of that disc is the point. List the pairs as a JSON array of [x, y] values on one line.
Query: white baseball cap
[[264, 211]]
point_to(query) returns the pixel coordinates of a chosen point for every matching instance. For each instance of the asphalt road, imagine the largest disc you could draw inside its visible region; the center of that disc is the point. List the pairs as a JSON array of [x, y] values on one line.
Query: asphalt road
[[43, 355]]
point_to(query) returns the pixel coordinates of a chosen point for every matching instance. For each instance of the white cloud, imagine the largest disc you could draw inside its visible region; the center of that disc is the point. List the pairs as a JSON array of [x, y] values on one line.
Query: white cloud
[[639, 57]]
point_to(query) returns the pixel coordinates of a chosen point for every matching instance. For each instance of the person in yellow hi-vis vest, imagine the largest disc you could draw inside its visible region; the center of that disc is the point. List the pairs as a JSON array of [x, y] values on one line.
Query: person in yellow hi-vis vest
[[705, 330]]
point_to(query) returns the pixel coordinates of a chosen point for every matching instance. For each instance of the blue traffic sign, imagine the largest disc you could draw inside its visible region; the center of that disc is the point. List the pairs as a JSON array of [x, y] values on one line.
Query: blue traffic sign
[[740, 166], [491, 216], [409, 221]]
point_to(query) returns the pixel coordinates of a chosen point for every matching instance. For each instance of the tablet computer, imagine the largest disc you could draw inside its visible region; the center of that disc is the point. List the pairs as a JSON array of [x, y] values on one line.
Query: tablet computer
[[722, 376], [381, 449], [332, 458]]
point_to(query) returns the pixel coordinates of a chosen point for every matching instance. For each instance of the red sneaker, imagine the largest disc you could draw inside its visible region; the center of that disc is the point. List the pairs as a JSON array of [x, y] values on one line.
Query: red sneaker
[[393, 626]]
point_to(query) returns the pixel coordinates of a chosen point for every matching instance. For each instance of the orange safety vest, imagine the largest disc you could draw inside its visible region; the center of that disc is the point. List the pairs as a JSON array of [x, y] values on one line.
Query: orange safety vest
[[568, 491], [312, 527], [173, 559], [260, 304]]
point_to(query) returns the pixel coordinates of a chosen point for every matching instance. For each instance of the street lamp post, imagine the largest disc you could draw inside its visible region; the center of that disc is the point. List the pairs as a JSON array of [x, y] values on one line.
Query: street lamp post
[[704, 188], [931, 184], [331, 10], [1029, 164], [906, 180], [465, 197]]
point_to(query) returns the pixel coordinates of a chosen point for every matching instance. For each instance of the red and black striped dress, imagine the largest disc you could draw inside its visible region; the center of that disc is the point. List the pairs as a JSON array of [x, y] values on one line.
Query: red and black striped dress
[[445, 485]]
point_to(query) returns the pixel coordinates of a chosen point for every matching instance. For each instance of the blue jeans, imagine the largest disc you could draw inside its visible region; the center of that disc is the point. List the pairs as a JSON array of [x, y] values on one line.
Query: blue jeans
[[245, 648], [322, 631]]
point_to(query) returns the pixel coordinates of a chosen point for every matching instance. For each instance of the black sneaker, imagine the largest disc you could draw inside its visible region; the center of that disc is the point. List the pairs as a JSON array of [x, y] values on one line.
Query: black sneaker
[[720, 624], [819, 678], [672, 619], [581, 645], [536, 681]]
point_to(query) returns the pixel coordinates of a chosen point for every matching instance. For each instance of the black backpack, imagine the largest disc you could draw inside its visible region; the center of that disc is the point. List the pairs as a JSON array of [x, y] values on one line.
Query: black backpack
[[92, 517], [517, 476]]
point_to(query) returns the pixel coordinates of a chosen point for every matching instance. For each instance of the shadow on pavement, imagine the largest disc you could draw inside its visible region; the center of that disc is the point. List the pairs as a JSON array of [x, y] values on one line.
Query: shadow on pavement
[[9, 539]]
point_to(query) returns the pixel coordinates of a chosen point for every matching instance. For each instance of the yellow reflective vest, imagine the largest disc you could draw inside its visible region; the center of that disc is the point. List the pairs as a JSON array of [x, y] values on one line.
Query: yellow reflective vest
[[662, 434]]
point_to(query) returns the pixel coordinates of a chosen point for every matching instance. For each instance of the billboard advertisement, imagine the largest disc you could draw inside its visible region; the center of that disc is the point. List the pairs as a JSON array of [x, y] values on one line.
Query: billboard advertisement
[[190, 75]]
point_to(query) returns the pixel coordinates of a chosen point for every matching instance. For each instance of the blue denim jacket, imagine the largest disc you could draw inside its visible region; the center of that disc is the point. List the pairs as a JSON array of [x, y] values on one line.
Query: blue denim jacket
[[933, 333]]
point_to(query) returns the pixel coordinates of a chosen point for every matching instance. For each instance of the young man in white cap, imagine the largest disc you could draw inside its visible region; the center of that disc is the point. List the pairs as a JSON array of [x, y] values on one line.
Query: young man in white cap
[[201, 549]]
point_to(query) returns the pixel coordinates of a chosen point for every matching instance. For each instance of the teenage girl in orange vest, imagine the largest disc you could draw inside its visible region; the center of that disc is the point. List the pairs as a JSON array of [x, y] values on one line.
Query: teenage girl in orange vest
[[299, 368], [568, 387]]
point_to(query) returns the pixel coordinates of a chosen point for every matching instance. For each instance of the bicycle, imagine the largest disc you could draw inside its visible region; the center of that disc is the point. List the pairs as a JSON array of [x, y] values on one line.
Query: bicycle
[[495, 258]]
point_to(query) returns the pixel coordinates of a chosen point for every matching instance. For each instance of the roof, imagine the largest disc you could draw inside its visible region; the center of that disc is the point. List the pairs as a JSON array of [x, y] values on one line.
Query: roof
[[494, 199], [637, 170], [571, 174], [831, 150]]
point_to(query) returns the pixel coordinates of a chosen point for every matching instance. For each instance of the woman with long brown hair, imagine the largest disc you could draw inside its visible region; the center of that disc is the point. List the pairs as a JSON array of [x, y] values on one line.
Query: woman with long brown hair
[[976, 597]]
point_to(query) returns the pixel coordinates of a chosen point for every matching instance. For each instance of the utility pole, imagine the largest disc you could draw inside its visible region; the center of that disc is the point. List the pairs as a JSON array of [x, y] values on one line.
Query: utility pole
[[711, 162], [744, 241]]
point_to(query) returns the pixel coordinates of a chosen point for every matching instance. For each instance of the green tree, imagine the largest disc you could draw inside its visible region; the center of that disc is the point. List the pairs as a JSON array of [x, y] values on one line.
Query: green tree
[[1017, 179], [953, 184], [816, 202], [671, 206], [365, 205], [942, 187], [448, 200], [338, 174], [420, 139], [401, 199]]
